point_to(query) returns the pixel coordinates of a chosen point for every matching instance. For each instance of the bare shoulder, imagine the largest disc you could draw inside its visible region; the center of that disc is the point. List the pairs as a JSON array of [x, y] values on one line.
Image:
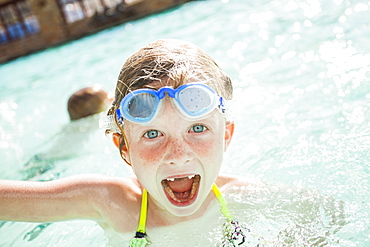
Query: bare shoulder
[[228, 183], [117, 199]]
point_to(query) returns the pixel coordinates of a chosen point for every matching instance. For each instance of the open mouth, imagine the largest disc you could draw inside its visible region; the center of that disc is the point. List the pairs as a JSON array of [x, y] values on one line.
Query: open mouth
[[181, 191]]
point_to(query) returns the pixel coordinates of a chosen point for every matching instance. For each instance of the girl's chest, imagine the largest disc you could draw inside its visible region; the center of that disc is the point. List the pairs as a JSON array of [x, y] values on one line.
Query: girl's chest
[[203, 231]]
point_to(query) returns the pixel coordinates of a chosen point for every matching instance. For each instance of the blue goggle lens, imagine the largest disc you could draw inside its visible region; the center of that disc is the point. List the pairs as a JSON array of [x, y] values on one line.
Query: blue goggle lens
[[195, 101], [141, 106]]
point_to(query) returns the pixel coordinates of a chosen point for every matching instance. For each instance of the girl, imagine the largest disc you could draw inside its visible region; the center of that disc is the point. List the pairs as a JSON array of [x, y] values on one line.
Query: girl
[[169, 122]]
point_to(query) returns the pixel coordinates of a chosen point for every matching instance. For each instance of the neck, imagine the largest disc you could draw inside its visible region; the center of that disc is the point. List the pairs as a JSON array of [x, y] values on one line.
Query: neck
[[158, 216]]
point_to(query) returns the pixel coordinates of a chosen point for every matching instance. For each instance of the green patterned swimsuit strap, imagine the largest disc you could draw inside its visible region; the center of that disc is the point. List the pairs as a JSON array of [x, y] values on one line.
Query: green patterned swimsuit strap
[[140, 237]]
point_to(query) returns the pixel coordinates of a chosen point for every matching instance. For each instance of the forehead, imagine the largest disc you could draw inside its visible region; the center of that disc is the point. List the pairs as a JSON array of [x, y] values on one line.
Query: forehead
[[174, 83], [165, 82]]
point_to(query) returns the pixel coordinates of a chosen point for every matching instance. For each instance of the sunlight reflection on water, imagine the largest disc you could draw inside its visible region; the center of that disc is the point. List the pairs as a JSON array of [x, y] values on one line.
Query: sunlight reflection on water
[[301, 71]]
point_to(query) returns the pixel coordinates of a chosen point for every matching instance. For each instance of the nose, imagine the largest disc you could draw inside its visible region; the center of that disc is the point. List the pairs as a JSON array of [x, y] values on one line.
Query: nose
[[178, 152]]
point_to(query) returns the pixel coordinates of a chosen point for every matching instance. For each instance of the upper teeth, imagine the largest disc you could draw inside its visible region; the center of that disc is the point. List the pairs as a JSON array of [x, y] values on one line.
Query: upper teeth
[[173, 179]]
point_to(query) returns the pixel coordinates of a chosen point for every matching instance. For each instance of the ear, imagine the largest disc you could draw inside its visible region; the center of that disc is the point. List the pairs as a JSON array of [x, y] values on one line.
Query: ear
[[229, 132], [123, 149], [116, 139]]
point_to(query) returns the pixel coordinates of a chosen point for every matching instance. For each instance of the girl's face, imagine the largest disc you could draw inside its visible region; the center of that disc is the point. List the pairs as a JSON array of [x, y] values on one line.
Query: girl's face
[[177, 160]]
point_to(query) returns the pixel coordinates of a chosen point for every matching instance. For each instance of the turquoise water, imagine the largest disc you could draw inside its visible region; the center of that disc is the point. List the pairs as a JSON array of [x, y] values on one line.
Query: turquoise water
[[301, 71]]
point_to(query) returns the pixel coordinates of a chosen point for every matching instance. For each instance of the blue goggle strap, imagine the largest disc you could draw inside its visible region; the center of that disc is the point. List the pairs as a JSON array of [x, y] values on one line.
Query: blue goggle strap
[[222, 105], [119, 116]]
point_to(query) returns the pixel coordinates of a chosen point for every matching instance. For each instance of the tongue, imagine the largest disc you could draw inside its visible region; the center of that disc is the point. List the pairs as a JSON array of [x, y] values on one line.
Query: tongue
[[181, 184]]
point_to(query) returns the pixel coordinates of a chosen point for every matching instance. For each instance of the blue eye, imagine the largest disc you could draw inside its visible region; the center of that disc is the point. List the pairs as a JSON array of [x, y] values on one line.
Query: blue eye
[[151, 134], [198, 128]]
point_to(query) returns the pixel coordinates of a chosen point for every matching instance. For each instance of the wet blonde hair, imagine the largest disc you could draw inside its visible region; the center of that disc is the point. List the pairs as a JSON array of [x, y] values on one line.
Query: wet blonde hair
[[168, 63]]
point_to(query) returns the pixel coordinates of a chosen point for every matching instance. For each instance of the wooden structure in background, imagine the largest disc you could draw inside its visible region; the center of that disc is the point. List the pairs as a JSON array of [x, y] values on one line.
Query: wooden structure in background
[[27, 26]]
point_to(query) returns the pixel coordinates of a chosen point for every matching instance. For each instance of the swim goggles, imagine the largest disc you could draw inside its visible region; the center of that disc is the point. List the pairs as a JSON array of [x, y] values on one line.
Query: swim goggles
[[194, 101]]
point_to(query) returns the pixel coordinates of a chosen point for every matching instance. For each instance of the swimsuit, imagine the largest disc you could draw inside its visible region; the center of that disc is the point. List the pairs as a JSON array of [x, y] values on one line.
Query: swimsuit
[[233, 231]]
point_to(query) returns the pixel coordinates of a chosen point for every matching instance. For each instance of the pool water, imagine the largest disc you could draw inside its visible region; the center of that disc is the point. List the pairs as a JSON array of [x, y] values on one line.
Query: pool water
[[301, 73]]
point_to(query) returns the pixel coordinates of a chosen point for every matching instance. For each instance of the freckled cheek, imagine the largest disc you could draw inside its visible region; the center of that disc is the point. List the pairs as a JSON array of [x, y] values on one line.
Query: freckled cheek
[[205, 148], [147, 156]]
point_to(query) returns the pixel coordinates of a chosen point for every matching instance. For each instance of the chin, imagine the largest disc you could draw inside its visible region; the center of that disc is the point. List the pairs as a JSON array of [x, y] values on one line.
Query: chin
[[184, 211]]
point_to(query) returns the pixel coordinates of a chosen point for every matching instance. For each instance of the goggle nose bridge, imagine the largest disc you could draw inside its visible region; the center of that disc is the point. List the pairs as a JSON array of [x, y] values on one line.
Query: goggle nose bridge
[[162, 92]]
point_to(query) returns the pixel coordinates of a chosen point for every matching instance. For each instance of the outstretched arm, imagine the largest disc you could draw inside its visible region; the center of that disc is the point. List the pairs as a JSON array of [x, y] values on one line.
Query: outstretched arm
[[63, 199]]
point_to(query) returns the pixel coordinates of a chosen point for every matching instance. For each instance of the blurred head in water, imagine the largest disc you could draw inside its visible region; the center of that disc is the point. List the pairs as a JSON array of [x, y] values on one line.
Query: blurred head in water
[[87, 101]]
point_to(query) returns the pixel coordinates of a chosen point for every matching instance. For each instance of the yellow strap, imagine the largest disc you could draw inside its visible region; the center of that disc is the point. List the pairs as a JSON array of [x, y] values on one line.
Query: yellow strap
[[225, 211], [143, 212]]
